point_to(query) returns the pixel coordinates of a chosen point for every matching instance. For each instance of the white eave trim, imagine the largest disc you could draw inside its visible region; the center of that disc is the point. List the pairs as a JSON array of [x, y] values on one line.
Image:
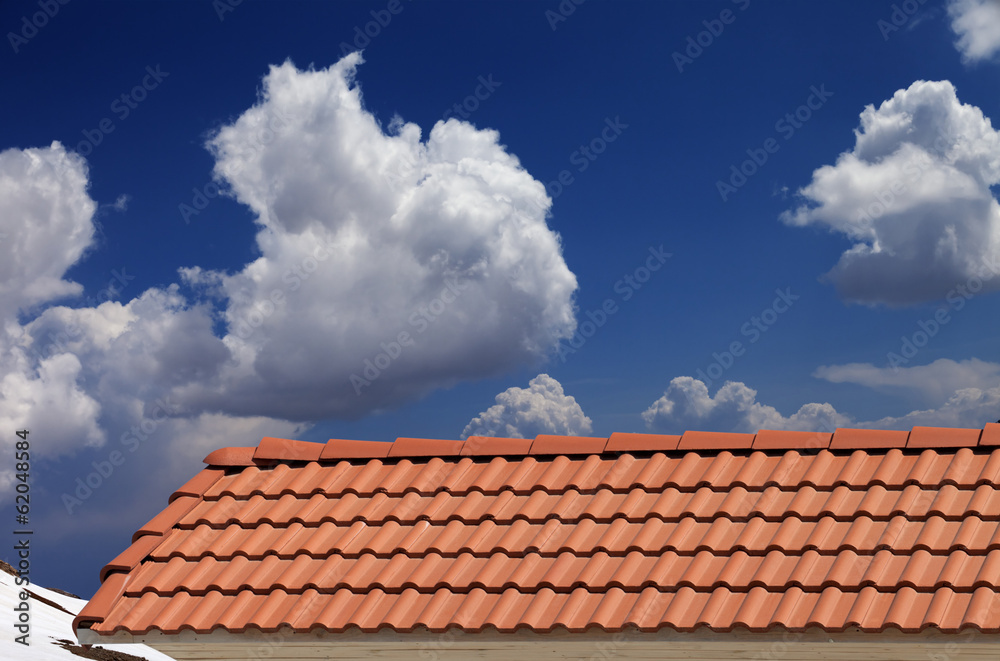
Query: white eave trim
[[851, 645]]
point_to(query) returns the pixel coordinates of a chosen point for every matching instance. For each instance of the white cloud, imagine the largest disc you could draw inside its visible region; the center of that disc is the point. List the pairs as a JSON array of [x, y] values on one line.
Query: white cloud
[[687, 405], [970, 408], [541, 408], [936, 381], [914, 193], [52, 405], [968, 395], [210, 431], [364, 234], [121, 203], [46, 223], [977, 25]]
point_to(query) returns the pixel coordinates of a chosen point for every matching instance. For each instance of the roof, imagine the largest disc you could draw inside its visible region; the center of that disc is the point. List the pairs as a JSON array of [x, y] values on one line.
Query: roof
[[859, 528]]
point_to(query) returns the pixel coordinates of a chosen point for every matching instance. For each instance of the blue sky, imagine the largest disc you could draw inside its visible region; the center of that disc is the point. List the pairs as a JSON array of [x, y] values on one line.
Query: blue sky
[[518, 217]]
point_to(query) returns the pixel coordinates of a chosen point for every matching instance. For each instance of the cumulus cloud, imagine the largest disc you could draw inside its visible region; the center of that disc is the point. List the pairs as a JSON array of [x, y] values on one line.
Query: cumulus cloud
[[914, 194], [687, 405], [541, 408], [51, 404], [968, 396], [967, 407], [389, 265], [977, 25], [46, 223], [936, 381]]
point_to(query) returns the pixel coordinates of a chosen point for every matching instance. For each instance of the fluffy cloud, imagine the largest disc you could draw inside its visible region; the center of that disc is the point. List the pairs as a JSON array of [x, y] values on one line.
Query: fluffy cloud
[[977, 25], [46, 223], [541, 408], [914, 193], [936, 381], [389, 266], [687, 405], [51, 404], [969, 407], [966, 393]]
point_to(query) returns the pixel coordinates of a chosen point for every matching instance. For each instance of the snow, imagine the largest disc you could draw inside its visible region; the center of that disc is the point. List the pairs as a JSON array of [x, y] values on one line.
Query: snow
[[48, 625]]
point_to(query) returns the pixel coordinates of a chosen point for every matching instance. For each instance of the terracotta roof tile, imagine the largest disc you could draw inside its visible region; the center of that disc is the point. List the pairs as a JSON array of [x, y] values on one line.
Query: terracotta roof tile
[[111, 591], [424, 447], [166, 519], [720, 609], [940, 437], [859, 528], [342, 449], [567, 445], [861, 439], [771, 439], [990, 436], [620, 442], [199, 484], [495, 447], [637, 504], [231, 457], [283, 449], [703, 440], [130, 558]]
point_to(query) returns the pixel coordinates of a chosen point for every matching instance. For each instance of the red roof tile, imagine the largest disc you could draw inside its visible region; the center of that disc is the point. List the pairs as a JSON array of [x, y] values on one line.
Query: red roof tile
[[424, 447], [231, 457], [547, 444], [198, 484], [495, 447], [619, 442], [990, 436], [771, 439], [939, 437], [283, 449], [862, 528], [862, 439], [705, 440], [340, 449]]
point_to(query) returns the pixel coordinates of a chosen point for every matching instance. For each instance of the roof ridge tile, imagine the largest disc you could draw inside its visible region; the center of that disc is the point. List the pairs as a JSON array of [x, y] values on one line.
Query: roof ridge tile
[[774, 439], [706, 440], [405, 446], [283, 449], [563, 445], [272, 449], [943, 437], [199, 484], [231, 456]]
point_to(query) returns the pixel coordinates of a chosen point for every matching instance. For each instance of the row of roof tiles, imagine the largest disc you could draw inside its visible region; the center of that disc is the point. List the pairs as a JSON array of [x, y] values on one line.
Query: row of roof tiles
[[354, 534], [686, 537], [718, 471], [811, 571], [637, 505], [279, 449], [721, 609]]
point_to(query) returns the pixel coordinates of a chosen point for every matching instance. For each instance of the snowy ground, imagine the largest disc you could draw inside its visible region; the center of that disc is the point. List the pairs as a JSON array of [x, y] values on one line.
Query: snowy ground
[[50, 624]]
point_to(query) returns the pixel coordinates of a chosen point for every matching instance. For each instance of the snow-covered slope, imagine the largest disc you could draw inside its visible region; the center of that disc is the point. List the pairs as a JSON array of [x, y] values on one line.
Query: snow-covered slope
[[52, 621]]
